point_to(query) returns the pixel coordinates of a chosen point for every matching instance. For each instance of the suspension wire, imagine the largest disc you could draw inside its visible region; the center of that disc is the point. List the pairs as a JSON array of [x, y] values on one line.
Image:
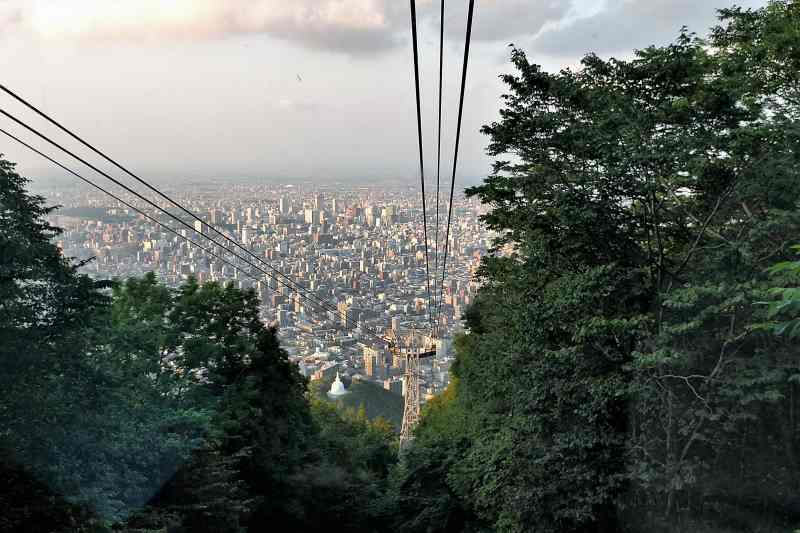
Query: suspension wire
[[150, 217], [455, 156], [134, 208], [295, 286], [421, 163], [291, 286], [438, 155]]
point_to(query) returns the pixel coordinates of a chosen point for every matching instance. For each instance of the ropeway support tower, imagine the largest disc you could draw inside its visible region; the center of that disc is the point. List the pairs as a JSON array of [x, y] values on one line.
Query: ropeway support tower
[[411, 408]]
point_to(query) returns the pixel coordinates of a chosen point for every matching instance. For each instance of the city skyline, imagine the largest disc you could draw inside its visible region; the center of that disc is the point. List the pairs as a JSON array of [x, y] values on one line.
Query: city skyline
[[346, 266]]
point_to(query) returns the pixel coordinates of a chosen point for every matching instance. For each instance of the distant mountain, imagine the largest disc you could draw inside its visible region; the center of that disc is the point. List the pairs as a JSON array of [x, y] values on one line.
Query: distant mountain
[[93, 213]]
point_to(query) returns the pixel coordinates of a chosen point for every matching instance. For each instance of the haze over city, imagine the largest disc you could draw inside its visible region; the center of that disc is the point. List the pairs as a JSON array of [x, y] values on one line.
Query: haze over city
[[307, 89]]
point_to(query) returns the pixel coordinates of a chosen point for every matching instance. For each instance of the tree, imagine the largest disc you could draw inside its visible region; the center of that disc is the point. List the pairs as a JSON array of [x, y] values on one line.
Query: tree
[[423, 486], [264, 419], [46, 308], [347, 471], [107, 395], [161, 408], [615, 374]]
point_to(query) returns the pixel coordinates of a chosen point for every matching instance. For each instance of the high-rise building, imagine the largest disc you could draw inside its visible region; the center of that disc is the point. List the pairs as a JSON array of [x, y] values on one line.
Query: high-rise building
[[388, 216], [318, 201], [198, 226], [393, 385], [369, 362], [374, 365], [342, 307], [283, 318], [370, 213], [284, 205], [312, 217]]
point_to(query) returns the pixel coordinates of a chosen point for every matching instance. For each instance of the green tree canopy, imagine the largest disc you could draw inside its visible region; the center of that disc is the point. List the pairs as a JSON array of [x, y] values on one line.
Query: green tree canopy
[[616, 375]]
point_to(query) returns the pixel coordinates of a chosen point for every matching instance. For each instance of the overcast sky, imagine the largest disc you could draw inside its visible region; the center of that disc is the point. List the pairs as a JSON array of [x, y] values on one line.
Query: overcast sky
[[319, 89]]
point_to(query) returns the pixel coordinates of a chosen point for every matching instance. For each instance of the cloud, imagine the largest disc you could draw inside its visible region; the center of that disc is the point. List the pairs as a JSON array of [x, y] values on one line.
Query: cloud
[[342, 25], [351, 26], [10, 15], [494, 20], [557, 28], [624, 25], [502, 20]]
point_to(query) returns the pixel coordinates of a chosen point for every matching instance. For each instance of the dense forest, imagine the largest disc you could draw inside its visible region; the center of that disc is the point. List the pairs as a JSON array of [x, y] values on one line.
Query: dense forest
[[630, 364]]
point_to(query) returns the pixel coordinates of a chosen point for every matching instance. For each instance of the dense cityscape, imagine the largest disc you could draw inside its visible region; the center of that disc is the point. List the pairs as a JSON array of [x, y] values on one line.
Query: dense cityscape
[[358, 250]]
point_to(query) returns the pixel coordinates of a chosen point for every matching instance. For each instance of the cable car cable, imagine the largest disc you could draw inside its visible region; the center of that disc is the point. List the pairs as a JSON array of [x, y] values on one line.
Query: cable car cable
[[439, 149], [455, 156], [297, 288], [421, 162], [134, 208], [146, 184]]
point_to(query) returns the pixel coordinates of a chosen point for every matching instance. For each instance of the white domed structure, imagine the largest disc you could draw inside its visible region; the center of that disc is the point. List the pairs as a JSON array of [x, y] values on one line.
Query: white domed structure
[[337, 388]]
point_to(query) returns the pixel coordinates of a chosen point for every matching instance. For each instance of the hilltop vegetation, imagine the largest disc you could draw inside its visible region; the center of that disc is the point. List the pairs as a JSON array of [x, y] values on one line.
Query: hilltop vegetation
[[622, 371], [376, 401]]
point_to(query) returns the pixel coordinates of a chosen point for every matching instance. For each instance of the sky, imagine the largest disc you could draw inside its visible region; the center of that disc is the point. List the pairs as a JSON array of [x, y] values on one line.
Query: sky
[[294, 89]]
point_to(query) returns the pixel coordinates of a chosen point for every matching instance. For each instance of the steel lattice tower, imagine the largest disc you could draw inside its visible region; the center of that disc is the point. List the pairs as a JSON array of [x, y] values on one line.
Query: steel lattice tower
[[411, 407]]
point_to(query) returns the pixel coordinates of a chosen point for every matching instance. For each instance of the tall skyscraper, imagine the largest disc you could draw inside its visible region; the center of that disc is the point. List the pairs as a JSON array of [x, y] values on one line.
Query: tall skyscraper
[[343, 308], [284, 205], [370, 361], [374, 363], [283, 317], [389, 215], [370, 213], [312, 217]]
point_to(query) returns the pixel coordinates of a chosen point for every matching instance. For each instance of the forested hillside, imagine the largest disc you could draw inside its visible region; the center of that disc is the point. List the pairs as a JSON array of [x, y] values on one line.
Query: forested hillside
[[624, 369], [375, 401]]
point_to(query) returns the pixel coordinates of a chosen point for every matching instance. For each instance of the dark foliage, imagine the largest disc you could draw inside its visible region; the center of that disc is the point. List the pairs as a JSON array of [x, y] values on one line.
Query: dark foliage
[[619, 372], [158, 408]]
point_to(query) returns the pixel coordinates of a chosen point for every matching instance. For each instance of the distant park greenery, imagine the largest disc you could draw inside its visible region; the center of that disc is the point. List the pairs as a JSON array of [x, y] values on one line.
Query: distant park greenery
[[631, 362], [376, 401]]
